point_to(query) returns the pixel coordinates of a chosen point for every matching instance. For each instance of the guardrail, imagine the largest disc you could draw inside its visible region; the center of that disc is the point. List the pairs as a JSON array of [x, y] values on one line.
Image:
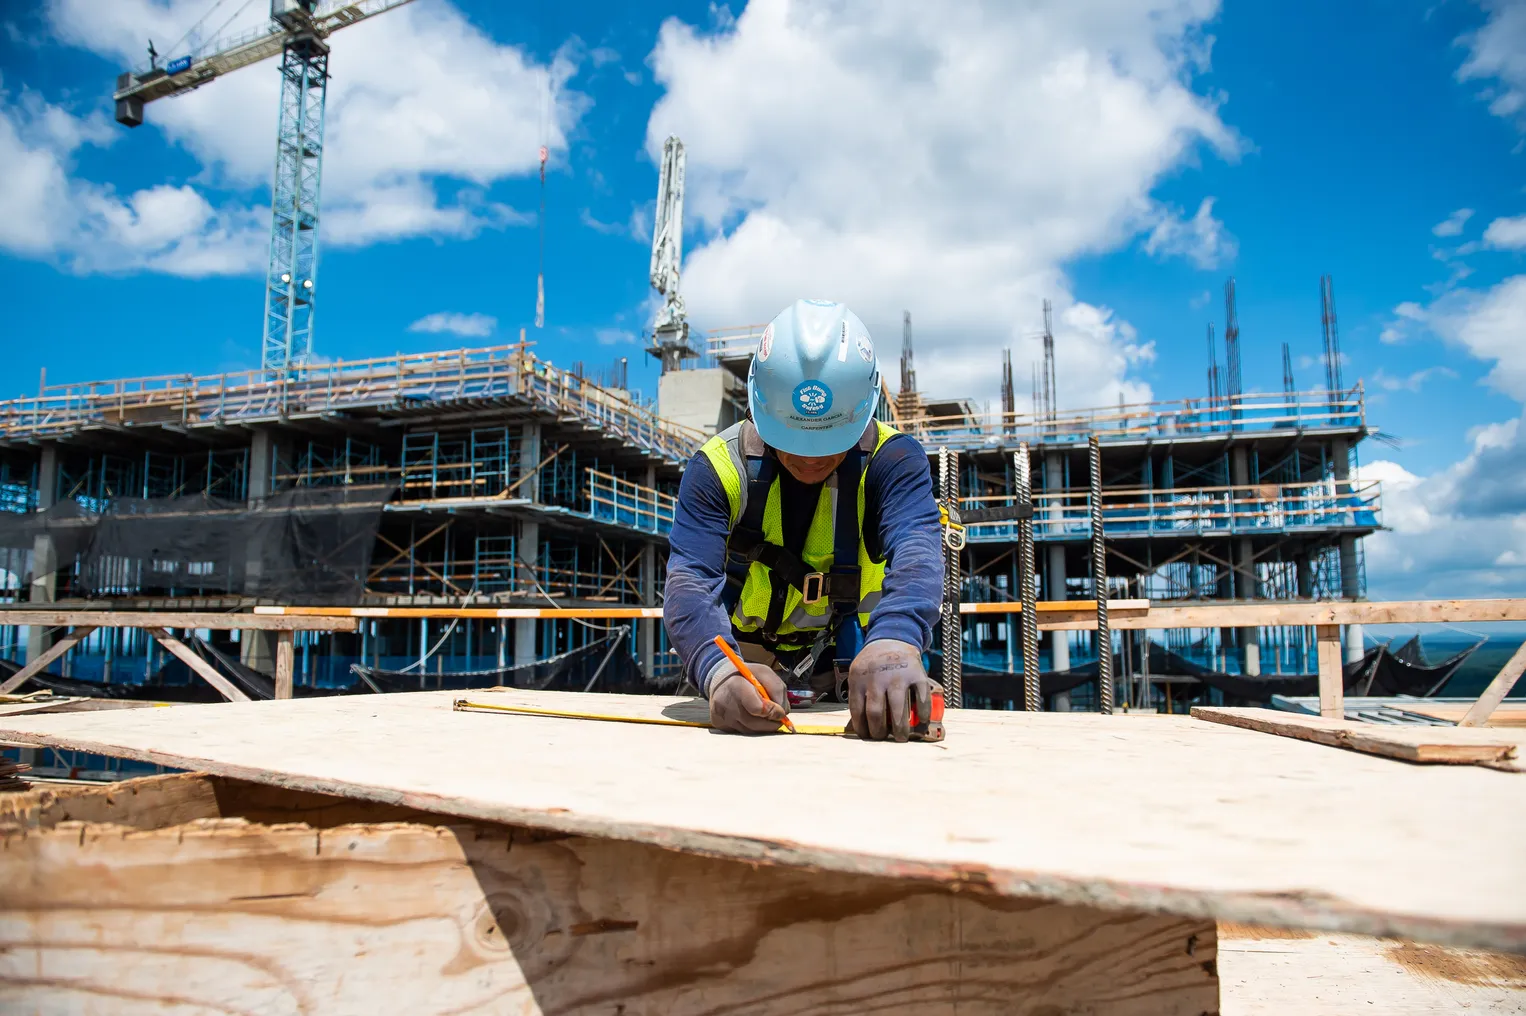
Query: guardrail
[[391, 382], [617, 500], [1182, 418], [1257, 508], [1178, 418]]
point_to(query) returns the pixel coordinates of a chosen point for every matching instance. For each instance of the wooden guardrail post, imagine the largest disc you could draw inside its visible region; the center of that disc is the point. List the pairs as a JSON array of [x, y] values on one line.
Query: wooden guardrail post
[[1332, 681], [285, 653]]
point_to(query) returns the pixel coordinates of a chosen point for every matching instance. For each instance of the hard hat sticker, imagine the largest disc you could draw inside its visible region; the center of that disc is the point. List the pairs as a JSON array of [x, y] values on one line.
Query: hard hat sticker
[[865, 349], [812, 398], [766, 344]]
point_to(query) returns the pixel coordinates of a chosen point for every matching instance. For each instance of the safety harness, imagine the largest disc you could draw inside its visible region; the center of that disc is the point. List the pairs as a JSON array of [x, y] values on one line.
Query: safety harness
[[839, 586]]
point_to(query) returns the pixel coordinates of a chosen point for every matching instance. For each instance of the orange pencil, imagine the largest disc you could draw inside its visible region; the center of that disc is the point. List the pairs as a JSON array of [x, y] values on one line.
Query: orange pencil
[[736, 661]]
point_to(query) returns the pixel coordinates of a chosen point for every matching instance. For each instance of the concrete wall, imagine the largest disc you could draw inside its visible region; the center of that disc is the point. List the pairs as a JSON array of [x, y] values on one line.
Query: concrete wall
[[710, 399]]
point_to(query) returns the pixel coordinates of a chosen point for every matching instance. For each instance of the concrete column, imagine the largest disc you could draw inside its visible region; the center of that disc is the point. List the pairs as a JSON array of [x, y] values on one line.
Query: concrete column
[[44, 587], [1054, 571], [1351, 580], [1305, 568], [646, 628], [257, 649], [528, 553], [529, 457]]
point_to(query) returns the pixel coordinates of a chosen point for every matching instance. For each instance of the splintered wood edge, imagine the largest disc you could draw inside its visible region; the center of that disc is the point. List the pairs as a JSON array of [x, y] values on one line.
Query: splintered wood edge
[[1291, 909], [1424, 746]]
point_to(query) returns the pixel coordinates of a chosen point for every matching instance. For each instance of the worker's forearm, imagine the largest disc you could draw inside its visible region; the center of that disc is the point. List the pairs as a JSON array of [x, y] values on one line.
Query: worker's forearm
[[913, 542], [692, 611]]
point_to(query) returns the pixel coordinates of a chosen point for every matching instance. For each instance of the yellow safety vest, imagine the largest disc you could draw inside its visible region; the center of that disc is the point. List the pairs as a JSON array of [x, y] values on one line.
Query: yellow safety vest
[[728, 452]]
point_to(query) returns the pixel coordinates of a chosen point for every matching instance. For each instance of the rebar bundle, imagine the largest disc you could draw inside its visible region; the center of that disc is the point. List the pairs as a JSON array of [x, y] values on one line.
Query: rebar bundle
[[953, 650], [1099, 584], [1028, 620]]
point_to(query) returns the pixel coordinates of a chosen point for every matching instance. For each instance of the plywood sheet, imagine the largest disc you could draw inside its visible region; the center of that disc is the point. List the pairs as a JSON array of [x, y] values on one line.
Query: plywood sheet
[[1157, 813], [228, 916], [1273, 972], [1409, 742]]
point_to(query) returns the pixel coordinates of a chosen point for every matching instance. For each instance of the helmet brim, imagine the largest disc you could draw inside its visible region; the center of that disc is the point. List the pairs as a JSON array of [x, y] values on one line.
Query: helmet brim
[[814, 443]]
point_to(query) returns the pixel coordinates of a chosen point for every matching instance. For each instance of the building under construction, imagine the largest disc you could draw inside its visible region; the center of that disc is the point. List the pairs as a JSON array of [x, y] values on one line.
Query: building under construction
[[492, 478]]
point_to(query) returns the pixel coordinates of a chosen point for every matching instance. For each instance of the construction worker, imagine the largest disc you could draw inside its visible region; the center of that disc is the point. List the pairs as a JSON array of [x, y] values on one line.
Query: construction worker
[[809, 538]]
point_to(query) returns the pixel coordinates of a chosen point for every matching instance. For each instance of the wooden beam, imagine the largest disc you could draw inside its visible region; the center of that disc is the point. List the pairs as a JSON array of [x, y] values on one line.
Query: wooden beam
[[428, 917], [1267, 614], [1409, 742], [200, 667], [1209, 824], [284, 663], [1054, 615], [511, 488], [52, 653], [1478, 714], [260, 621], [1332, 675]]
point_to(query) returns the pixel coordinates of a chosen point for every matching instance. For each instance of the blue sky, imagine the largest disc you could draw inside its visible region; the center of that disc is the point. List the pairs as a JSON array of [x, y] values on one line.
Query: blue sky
[[1121, 158]]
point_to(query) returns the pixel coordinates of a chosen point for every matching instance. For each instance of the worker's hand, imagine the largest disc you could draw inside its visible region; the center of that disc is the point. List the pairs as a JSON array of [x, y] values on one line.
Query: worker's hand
[[736, 706], [885, 677]]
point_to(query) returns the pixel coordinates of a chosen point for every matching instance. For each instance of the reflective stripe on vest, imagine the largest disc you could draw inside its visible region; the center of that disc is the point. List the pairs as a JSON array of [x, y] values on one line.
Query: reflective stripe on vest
[[728, 452]]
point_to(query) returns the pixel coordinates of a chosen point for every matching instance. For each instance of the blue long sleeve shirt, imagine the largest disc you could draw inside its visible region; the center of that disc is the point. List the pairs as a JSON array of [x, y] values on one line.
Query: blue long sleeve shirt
[[898, 493]]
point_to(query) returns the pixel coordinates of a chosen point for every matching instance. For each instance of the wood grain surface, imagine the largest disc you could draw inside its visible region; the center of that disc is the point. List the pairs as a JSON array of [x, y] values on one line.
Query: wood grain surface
[[222, 914], [1154, 814]]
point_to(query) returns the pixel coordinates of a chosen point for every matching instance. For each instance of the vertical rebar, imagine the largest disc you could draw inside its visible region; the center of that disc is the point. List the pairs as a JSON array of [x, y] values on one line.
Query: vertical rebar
[[953, 650], [1029, 620], [1099, 584]]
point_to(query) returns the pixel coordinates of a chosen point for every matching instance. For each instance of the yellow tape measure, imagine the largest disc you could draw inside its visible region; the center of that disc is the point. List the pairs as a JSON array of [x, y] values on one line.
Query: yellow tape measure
[[467, 706]]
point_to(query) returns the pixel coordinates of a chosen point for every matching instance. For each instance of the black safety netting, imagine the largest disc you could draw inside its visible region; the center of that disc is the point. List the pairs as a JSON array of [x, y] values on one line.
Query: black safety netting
[[307, 545], [605, 664]]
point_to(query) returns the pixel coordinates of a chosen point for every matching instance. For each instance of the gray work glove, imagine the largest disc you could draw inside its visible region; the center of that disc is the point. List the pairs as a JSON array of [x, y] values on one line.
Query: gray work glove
[[886, 676], [736, 706]]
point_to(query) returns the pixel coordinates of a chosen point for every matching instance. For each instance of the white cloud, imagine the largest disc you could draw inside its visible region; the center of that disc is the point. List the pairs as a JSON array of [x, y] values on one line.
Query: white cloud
[[1489, 325], [424, 113], [1459, 532], [901, 158], [1413, 382], [1497, 55], [1202, 239], [1506, 234], [1462, 531], [84, 227], [1452, 224], [473, 325]]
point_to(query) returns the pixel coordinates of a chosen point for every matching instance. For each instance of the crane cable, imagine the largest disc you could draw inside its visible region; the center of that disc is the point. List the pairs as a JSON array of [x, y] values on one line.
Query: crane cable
[[540, 278]]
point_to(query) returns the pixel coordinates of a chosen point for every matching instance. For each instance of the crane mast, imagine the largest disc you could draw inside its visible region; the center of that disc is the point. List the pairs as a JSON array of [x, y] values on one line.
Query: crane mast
[[670, 332], [297, 30]]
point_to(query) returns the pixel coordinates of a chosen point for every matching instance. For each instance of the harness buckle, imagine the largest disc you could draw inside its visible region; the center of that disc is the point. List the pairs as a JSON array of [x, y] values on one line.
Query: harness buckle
[[814, 588]]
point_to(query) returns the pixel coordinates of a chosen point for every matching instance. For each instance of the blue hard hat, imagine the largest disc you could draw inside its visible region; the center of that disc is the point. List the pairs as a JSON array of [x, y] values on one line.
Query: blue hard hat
[[814, 380]]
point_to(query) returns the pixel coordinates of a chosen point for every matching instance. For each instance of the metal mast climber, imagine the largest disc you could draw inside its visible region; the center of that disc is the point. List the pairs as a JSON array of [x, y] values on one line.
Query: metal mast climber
[[297, 30], [670, 333]]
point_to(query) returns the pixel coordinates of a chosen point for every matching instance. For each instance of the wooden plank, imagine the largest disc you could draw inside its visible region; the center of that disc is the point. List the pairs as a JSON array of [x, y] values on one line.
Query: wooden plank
[[1274, 972], [1250, 615], [1059, 611], [223, 915], [1213, 821], [1511, 713], [1493, 695], [200, 667], [285, 663], [40, 664], [1061, 615], [1408, 742], [1332, 675], [179, 619]]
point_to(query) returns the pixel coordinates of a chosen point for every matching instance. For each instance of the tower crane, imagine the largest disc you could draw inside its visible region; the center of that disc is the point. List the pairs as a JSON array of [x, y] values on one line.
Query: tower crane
[[298, 30], [670, 332]]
